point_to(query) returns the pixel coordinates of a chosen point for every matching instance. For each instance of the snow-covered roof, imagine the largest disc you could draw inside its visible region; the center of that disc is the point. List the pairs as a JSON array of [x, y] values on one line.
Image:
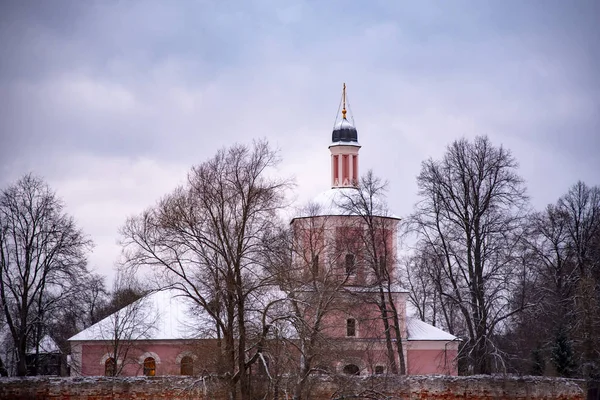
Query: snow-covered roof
[[343, 124], [328, 203], [394, 288], [47, 346], [161, 315], [167, 315], [419, 330]]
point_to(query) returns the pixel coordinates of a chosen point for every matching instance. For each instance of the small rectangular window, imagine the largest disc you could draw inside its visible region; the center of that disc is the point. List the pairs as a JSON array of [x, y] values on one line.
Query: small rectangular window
[[382, 265], [379, 370], [350, 264], [315, 264], [350, 327]]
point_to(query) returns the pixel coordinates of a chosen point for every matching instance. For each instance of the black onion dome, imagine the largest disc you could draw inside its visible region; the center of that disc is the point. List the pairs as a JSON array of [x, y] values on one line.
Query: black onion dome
[[344, 131]]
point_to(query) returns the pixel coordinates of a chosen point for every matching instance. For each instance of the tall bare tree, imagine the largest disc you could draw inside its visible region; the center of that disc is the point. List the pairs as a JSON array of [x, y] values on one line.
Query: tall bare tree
[[563, 241], [208, 240], [131, 318], [377, 234], [313, 280], [579, 211], [581, 206], [471, 215], [87, 306], [423, 274], [42, 257]]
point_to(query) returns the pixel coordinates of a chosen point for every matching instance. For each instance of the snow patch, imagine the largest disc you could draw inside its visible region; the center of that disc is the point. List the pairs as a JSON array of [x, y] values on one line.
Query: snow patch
[[419, 330]]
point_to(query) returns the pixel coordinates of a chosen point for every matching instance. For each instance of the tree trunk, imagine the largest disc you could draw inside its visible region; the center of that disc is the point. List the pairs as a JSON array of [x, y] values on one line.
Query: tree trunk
[[388, 336]]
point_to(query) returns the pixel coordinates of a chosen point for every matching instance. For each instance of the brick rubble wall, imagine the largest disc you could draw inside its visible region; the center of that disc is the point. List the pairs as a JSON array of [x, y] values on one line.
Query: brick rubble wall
[[187, 388]]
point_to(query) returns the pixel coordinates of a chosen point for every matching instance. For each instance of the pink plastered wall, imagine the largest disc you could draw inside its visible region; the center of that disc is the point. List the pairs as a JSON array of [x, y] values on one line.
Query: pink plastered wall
[[167, 355], [362, 308], [335, 236], [432, 357]]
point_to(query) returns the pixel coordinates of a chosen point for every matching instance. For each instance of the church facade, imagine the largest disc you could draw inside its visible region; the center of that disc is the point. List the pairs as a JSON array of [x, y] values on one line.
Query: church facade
[[345, 251]]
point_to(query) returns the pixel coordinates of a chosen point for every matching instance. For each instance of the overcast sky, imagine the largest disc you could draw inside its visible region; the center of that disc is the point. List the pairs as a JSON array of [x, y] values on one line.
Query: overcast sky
[[112, 102]]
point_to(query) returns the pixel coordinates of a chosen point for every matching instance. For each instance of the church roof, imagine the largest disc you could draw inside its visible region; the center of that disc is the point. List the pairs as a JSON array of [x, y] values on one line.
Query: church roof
[[344, 133], [329, 203], [159, 315], [167, 315], [419, 330], [47, 346]]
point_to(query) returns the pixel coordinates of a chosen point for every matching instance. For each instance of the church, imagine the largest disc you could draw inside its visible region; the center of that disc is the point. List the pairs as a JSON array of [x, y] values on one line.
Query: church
[[345, 251]]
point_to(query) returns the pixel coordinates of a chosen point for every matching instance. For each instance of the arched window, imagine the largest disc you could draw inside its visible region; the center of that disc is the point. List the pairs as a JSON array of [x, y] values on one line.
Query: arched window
[[109, 367], [351, 369], [187, 366], [149, 366]]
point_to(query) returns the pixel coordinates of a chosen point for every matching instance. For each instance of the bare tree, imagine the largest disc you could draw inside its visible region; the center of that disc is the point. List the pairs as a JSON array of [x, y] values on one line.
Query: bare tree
[[84, 308], [471, 214], [580, 212], [131, 318], [3, 353], [208, 240], [423, 273], [562, 242], [377, 235], [313, 280], [581, 206], [42, 255]]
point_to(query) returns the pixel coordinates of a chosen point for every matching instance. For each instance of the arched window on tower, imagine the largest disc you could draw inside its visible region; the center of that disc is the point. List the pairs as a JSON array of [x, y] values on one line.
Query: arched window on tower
[[187, 366], [149, 366], [110, 367]]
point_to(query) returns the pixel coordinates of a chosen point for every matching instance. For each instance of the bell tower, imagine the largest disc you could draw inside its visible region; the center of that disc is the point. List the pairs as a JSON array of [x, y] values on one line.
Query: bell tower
[[344, 149]]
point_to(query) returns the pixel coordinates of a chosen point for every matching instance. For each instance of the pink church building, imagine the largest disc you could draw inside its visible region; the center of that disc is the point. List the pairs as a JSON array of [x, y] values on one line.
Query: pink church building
[[342, 248]]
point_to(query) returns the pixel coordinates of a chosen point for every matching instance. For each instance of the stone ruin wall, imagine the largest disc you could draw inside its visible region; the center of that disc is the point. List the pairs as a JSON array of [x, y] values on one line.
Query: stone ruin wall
[[188, 388]]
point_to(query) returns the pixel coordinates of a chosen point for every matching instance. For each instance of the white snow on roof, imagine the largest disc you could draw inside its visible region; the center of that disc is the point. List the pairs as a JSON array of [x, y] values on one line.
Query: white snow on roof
[[419, 330], [161, 315], [394, 288], [166, 315], [47, 346], [169, 316], [343, 124], [340, 143], [328, 203]]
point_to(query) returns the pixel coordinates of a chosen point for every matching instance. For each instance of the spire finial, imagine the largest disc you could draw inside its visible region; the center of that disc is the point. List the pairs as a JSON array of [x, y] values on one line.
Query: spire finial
[[344, 101]]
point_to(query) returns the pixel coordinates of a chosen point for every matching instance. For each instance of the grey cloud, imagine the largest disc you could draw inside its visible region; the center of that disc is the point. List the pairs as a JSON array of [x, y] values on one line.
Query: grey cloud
[[172, 82]]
